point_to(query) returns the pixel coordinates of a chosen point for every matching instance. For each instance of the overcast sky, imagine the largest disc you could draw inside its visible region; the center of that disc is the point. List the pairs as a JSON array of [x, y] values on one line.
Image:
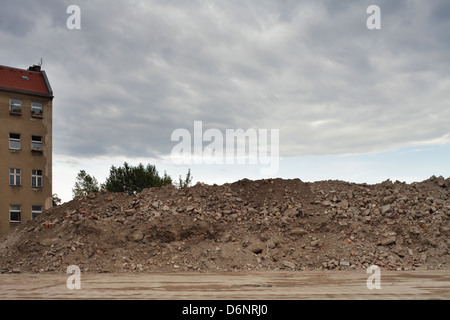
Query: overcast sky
[[349, 102]]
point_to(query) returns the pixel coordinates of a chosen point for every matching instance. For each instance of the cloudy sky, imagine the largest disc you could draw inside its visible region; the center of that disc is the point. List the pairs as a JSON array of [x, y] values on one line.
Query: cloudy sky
[[349, 103]]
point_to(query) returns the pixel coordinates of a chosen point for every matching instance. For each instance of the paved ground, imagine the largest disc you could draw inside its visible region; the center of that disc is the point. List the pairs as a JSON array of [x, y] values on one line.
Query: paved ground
[[230, 286]]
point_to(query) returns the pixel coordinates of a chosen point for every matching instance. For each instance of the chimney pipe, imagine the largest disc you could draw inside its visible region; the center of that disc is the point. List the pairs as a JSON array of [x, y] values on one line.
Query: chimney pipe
[[34, 68]]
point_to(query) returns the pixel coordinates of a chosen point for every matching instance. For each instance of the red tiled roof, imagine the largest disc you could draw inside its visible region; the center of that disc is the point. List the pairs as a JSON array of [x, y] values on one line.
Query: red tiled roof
[[26, 81]]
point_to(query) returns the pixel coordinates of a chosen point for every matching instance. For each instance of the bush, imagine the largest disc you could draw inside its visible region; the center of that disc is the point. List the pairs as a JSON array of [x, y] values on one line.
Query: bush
[[85, 184], [183, 184], [133, 180]]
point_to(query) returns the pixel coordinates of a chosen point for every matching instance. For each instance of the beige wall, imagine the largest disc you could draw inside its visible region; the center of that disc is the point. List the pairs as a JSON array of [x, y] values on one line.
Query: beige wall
[[25, 159]]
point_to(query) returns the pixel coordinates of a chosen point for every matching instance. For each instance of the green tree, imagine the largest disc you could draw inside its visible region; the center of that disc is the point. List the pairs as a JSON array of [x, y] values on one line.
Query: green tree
[[133, 180], [85, 184]]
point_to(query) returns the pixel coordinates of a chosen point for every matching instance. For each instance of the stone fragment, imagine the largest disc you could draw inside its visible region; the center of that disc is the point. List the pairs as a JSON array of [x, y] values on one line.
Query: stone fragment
[[344, 204], [385, 208], [289, 264], [441, 181], [270, 244], [388, 199], [137, 236], [256, 247], [298, 231], [315, 243], [326, 203], [49, 241], [290, 212], [388, 240]]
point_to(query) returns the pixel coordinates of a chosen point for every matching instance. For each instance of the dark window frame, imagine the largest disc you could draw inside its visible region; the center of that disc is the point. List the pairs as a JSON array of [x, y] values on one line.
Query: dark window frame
[[37, 180], [15, 106], [15, 211], [15, 140]]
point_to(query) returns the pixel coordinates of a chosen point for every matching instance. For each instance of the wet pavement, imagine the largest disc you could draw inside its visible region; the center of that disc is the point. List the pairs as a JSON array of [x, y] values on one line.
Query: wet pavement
[[424, 284]]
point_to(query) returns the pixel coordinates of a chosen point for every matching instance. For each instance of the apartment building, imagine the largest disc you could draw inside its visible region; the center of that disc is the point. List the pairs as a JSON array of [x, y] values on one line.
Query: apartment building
[[25, 145]]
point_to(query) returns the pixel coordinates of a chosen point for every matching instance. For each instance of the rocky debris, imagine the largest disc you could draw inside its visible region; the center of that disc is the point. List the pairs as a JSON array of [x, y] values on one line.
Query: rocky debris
[[270, 224]]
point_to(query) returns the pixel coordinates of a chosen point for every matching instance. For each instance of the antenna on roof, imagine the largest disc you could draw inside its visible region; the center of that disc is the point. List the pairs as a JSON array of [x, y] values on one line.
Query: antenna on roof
[[40, 63]]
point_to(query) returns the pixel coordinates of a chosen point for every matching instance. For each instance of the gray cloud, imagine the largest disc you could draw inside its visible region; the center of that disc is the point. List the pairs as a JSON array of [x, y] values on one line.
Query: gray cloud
[[135, 72]]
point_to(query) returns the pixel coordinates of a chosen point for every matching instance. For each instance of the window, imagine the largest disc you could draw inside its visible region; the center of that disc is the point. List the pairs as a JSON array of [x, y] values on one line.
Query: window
[[36, 109], [36, 143], [35, 211], [14, 141], [15, 106], [14, 177], [14, 213], [36, 178]]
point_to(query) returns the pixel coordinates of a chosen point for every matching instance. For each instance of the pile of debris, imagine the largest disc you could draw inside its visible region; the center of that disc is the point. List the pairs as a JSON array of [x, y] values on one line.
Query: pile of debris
[[271, 224]]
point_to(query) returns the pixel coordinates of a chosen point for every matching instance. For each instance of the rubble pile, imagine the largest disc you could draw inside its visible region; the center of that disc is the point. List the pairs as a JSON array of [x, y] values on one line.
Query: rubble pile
[[271, 224]]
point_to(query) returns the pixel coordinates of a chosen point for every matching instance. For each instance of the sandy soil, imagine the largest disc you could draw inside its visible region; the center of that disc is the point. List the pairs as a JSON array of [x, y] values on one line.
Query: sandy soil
[[426, 284]]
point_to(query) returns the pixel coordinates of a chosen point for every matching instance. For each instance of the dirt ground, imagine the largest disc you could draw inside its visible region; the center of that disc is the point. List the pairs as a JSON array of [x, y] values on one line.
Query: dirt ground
[[427, 284]]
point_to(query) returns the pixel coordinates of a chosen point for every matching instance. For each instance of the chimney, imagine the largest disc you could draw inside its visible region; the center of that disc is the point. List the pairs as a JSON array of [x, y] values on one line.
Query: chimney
[[34, 68]]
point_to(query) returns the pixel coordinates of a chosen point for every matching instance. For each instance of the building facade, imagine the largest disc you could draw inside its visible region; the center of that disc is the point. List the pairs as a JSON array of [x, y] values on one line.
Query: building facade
[[25, 145]]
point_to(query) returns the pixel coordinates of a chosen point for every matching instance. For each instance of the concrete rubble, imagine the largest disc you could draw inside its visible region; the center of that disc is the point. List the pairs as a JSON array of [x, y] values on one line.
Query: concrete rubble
[[271, 224]]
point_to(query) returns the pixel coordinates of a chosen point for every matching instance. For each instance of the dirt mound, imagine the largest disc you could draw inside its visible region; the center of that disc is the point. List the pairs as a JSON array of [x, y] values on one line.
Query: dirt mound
[[247, 225]]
